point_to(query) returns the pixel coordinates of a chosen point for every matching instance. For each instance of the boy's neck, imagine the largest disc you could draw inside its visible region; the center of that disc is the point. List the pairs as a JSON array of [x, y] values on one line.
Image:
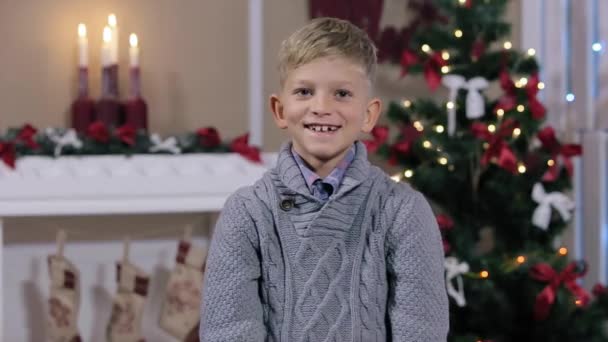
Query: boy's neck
[[322, 167]]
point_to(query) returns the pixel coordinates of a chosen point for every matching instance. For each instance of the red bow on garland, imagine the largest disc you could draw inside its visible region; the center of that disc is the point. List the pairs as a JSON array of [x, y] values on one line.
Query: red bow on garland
[[432, 66], [544, 272], [26, 135], [208, 137], [497, 148], [126, 133], [560, 154], [241, 146], [98, 132], [380, 135], [509, 100], [8, 153]]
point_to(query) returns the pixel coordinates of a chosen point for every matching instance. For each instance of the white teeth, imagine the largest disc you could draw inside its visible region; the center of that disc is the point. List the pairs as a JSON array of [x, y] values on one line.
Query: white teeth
[[320, 128]]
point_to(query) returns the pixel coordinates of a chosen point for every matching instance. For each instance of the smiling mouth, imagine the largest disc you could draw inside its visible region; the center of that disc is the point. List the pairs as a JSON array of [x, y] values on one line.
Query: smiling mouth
[[322, 128]]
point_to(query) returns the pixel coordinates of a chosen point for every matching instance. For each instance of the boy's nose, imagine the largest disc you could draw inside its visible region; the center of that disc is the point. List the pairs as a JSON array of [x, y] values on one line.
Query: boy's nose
[[321, 105]]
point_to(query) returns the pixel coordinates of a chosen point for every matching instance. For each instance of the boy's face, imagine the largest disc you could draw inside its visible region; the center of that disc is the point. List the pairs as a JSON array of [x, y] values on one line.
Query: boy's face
[[324, 105]]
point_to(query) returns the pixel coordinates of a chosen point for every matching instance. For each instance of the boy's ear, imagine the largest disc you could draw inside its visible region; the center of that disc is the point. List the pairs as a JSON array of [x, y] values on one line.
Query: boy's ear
[[374, 107], [277, 111]]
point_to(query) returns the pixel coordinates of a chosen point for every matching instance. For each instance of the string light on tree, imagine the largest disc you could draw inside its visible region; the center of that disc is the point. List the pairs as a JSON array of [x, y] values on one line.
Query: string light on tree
[[443, 160], [541, 85], [491, 128], [516, 132], [521, 108], [563, 251], [507, 45], [523, 81], [426, 48], [521, 168], [408, 173], [458, 33], [520, 259], [445, 69], [531, 52], [418, 126], [484, 274], [597, 47], [396, 178], [462, 2], [445, 55], [427, 144], [407, 103], [439, 129], [550, 162], [450, 105], [570, 97], [500, 112]]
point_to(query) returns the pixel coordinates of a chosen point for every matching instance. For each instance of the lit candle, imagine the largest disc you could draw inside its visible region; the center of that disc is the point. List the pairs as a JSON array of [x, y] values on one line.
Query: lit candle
[[112, 23], [106, 47], [133, 51], [83, 45]]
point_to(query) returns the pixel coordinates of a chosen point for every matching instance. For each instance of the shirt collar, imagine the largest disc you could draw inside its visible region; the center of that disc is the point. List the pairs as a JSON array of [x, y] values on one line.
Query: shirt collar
[[335, 176]]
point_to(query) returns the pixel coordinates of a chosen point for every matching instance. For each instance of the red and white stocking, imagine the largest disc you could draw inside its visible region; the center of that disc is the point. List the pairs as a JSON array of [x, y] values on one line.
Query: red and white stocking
[[128, 304], [64, 300], [181, 309]]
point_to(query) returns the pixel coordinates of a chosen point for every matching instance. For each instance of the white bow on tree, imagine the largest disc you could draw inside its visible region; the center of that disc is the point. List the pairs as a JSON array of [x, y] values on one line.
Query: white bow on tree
[[542, 214], [475, 104], [454, 269], [167, 145], [69, 138]]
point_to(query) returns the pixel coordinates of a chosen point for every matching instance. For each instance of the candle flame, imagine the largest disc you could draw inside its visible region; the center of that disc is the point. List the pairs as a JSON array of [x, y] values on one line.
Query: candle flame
[[107, 34], [133, 40], [82, 30], [112, 20]]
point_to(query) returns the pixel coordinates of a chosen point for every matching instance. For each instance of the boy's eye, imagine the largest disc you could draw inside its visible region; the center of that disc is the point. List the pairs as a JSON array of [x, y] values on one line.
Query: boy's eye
[[303, 91], [343, 93]]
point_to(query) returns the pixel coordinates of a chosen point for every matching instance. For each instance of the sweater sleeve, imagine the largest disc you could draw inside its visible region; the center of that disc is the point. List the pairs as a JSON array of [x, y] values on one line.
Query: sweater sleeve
[[417, 304], [231, 306]]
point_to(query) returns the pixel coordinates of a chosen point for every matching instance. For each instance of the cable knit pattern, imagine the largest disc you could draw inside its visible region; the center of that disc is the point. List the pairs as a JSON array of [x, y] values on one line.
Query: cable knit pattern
[[365, 266]]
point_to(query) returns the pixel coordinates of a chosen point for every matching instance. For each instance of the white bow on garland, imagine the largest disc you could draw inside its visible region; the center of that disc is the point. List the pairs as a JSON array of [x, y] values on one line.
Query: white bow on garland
[[167, 145], [542, 214], [454, 269], [69, 138], [475, 104]]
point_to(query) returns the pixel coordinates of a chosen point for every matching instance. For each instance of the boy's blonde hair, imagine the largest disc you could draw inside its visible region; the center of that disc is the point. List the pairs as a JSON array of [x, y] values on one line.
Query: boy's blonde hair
[[324, 37]]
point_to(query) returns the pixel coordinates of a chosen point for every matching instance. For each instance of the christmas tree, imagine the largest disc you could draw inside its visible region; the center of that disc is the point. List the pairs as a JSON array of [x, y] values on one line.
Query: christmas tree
[[496, 174]]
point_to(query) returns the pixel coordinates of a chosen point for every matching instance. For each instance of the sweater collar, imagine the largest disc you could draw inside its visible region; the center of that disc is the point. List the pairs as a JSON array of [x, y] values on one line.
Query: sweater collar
[[291, 176]]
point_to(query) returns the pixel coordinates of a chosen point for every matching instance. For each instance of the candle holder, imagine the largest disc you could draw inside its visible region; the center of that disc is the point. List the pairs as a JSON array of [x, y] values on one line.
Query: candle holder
[[136, 109], [108, 108], [83, 108]]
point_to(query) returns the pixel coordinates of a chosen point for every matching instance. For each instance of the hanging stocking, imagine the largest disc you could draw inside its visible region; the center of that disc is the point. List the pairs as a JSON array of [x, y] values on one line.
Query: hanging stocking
[[181, 308], [64, 300], [128, 304]]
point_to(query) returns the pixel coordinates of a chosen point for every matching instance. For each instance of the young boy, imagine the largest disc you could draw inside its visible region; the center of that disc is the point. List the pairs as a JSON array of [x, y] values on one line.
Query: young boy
[[325, 247]]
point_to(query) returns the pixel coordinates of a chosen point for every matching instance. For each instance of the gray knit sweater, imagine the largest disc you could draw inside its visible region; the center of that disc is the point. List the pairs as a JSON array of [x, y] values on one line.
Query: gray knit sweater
[[365, 266]]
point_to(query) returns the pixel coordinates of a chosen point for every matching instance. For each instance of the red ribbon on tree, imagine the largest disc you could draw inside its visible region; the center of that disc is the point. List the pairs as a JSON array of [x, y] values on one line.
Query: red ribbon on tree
[[126, 134], [241, 146], [509, 100], [560, 154], [497, 148], [380, 135], [445, 224], [8, 153], [432, 70], [26, 135], [98, 132], [599, 290], [409, 134], [208, 137], [408, 58], [545, 299]]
